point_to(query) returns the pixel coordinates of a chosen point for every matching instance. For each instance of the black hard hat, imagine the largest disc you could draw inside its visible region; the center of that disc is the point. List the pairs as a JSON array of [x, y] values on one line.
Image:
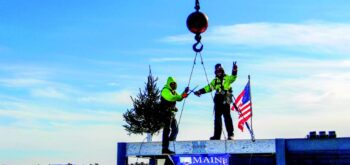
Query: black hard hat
[[217, 66]]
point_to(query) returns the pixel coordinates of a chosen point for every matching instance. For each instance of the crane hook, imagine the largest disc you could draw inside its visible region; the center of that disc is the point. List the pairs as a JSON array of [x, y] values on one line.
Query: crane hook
[[197, 23], [197, 50]]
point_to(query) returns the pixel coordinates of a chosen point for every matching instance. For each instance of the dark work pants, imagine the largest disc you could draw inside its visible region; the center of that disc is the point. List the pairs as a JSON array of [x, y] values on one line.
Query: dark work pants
[[221, 109], [170, 131]]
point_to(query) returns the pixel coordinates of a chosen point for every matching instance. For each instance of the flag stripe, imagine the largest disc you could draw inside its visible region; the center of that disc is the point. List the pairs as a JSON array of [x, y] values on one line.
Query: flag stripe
[[244, 114], [240, 96], [245, 106], [241, 122]]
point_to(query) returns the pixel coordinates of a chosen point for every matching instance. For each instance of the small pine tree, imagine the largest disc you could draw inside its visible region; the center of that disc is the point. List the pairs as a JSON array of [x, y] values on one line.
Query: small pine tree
[[146, 115]]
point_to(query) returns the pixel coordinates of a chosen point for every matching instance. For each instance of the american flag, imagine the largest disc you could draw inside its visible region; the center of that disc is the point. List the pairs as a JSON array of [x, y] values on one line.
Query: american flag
[[244, 106]]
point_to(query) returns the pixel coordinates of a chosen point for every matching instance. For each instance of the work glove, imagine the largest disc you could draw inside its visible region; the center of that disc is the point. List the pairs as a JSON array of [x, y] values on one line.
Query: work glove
[[234, 69], [185, 93], [187, 89], [197, 93]]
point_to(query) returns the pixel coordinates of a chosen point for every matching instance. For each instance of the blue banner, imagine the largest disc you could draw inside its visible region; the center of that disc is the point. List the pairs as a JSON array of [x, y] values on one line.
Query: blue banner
[[201, 159]]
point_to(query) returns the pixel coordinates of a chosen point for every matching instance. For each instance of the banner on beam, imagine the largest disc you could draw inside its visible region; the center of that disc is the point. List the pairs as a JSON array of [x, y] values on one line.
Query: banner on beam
[[201, 159]]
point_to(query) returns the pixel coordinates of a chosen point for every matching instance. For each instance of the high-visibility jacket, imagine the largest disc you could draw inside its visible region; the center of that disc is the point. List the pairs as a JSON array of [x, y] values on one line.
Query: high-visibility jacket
[[220, 85], [169, 96]]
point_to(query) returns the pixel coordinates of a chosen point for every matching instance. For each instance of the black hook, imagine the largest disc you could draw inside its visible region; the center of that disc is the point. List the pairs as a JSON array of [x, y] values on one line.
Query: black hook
[[198, 38], [197, 50]]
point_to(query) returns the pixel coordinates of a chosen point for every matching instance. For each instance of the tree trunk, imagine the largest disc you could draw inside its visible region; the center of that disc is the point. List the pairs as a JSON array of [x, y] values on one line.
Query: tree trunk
[[149, 137]]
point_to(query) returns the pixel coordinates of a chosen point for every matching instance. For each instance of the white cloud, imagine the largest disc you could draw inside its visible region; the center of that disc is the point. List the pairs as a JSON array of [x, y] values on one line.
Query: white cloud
[[48, 92], [40, 88], [329, 37], [47, 133], [304, 64], [113, 84], [28, 115], [187, 38], [26, 71], [22, 82], [112, 98], [313, 88], [76, 144], [298, 125]]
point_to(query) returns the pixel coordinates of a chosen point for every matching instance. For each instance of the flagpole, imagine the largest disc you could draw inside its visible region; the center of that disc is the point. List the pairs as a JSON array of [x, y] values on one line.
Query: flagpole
[[251, 102]]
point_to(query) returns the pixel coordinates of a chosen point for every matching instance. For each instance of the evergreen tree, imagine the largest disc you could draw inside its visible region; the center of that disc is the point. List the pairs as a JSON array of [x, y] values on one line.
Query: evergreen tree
[[146, 115]]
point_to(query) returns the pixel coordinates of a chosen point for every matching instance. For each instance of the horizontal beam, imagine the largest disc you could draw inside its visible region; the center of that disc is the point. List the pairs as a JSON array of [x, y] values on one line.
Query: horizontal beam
[[203, 147]]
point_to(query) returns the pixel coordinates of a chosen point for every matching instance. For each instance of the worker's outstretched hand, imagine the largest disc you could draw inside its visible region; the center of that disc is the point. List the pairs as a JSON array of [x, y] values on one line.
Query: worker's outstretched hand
[[197, 93], [187, 89], [185, 93]]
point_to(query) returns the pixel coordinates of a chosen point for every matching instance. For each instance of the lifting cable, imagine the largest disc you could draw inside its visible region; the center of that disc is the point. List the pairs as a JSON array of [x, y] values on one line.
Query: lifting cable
[[189, 81], [197, 23]]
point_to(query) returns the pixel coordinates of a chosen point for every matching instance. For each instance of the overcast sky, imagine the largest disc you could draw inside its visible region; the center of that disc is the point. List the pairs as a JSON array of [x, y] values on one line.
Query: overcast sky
[[69, 67]]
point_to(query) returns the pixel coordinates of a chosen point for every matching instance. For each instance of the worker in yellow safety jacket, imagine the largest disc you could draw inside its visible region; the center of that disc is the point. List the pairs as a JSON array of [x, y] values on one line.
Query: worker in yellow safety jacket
[[222, 99], [169, 97]]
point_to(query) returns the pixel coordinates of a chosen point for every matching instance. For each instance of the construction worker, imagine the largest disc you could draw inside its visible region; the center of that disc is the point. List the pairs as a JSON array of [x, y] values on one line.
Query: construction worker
[[222, 100], [169, 96]]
